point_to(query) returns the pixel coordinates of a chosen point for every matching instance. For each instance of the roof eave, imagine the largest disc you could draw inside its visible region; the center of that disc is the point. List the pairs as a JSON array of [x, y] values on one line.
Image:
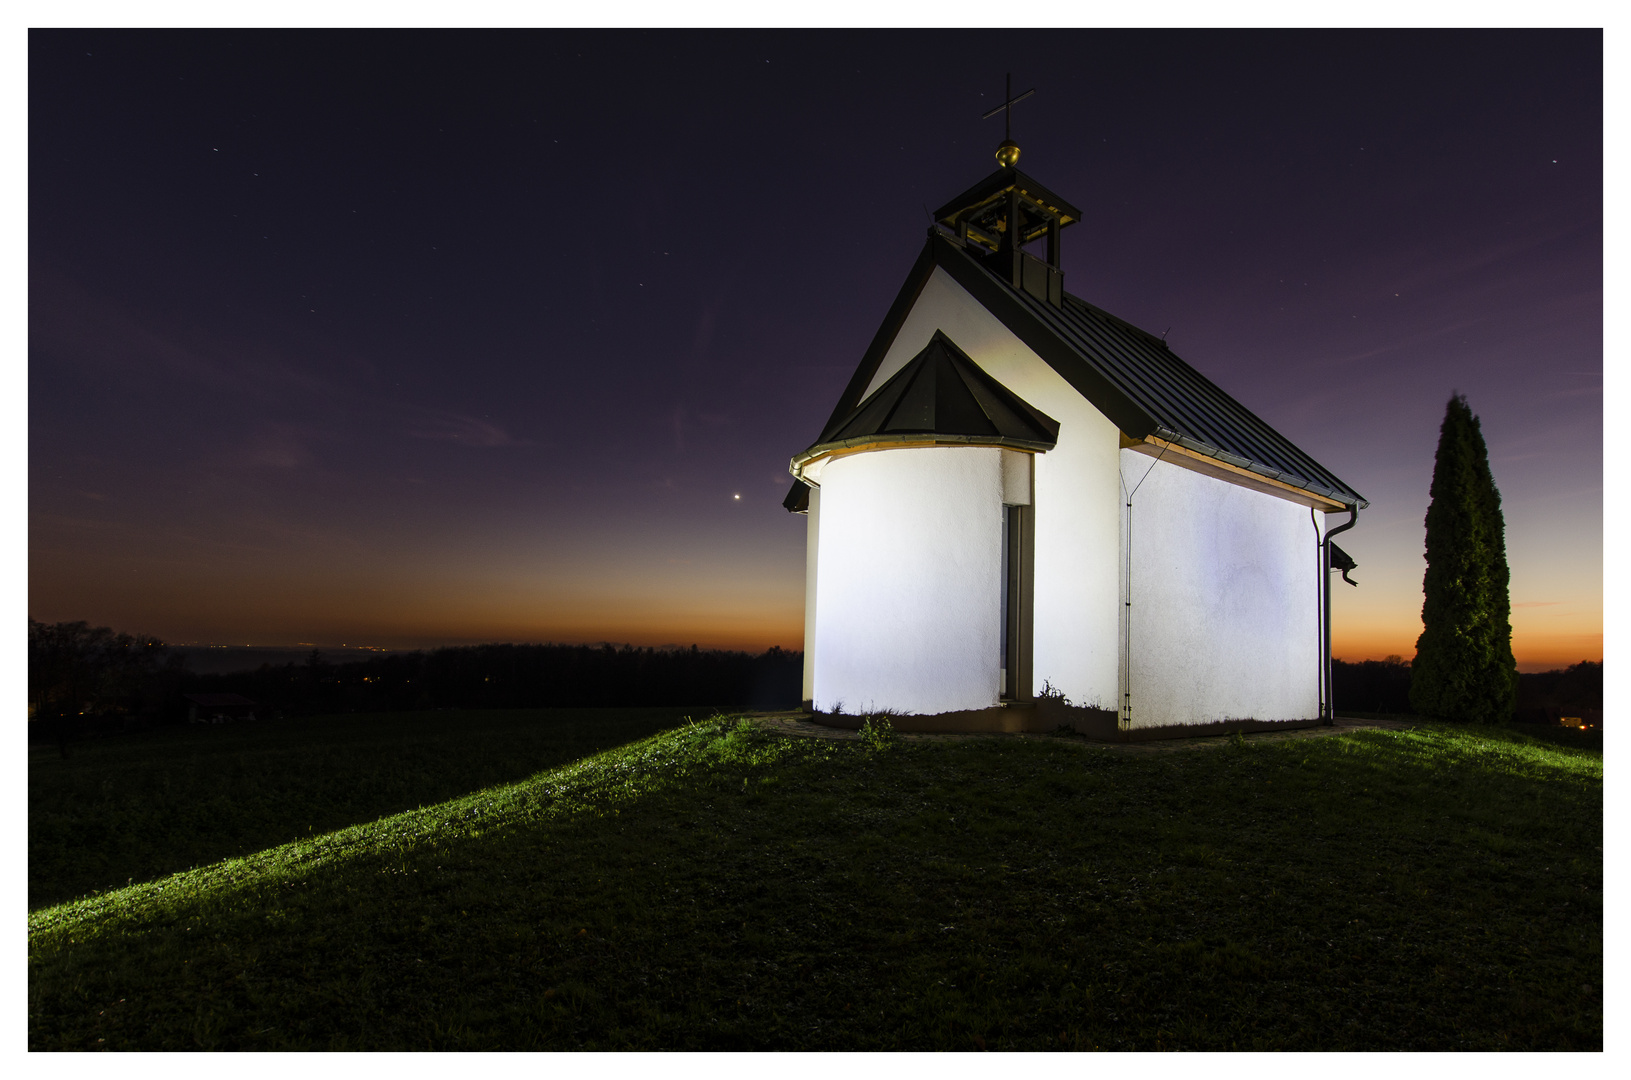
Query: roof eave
[[1277, 477], [907, 440], [1000, 180]]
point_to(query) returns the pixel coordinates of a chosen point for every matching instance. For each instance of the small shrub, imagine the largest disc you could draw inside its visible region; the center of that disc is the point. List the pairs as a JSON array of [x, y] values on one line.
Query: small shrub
[[877, 732]]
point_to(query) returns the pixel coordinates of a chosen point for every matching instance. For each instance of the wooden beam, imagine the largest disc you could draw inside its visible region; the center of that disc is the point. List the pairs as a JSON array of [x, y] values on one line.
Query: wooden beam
[[1222, 470]]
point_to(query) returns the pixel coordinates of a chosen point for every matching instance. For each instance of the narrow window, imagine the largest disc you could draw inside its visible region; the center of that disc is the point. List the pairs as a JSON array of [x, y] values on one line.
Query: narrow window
[[1006, 658], [1016, 559], [1016, 607]]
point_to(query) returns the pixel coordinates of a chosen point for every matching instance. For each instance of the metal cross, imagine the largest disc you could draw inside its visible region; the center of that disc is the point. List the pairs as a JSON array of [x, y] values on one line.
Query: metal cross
[[1007, 107]]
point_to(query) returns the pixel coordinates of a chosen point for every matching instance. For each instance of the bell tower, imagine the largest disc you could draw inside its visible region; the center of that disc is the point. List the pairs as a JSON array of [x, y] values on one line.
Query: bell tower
[[1007, 211]]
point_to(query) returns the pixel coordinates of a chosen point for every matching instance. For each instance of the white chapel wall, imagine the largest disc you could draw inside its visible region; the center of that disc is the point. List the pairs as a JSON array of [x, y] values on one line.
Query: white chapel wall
[[1225, 619], [908, 600], [1077, 492]]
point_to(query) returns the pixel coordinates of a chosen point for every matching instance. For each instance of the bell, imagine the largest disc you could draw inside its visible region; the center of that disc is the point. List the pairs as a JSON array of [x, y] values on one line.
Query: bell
[[1008, 154]]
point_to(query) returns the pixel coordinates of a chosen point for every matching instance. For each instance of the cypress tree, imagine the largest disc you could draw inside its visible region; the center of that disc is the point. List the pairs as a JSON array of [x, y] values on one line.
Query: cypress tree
[[1464, 668]]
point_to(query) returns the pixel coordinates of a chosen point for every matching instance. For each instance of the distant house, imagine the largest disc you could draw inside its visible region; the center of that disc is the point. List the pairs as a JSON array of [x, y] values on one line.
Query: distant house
[[218, 708], [1026, 512]]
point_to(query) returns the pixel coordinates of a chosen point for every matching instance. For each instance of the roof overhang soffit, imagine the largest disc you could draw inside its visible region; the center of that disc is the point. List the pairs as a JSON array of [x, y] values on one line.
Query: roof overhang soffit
[[806, 466], [1184, 458], [993, 192]]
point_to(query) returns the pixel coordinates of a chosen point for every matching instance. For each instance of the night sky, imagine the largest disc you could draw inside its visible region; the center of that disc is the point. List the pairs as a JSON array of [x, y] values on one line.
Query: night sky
[[408, 339]]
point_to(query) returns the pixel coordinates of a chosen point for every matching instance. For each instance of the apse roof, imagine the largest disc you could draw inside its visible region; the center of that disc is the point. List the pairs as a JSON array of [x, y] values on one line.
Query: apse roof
[[941, 397], [1128, 374]]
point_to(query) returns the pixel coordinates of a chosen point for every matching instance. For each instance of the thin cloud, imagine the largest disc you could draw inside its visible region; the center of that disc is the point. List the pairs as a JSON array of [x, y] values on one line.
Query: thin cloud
[[1428, 268], [281, 446], [91, 330], [1396, 345], [461, 429]]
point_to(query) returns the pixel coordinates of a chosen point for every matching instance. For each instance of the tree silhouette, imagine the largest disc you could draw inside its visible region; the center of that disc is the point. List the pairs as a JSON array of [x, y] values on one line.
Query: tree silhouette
[[77, 671], [1464, 668]]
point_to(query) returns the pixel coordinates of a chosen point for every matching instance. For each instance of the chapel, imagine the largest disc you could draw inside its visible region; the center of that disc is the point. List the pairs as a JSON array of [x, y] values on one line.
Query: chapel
[[1026, 513]]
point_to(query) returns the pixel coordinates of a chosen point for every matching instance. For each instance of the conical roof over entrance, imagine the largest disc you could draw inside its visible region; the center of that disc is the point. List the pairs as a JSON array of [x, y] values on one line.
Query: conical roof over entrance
[[940, 397]]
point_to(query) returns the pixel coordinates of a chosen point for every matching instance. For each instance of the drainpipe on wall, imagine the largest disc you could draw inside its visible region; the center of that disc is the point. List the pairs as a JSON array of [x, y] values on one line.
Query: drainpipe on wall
[[1124, 707], [1325, 591]]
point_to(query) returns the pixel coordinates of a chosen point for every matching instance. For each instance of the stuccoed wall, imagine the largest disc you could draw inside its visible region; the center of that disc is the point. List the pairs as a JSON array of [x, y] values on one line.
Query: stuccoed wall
[[1225, 617], [908, 598], [1077, 492]]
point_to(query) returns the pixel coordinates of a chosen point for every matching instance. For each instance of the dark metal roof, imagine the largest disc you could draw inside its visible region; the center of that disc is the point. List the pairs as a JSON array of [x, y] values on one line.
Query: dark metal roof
[[943, 396], [1128, 374], [1173, 400]]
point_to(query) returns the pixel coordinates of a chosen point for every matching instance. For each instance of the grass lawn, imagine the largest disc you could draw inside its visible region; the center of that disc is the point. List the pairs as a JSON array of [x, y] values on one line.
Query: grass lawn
[[717, 886], [130, 809]]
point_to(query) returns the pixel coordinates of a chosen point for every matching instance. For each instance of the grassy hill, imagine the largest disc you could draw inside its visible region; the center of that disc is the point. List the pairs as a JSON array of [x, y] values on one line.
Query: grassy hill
[[718, 886], [129, 809]]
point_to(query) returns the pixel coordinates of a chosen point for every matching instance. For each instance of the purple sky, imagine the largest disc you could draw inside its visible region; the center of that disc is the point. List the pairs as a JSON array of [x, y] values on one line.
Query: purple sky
[[419, 338]]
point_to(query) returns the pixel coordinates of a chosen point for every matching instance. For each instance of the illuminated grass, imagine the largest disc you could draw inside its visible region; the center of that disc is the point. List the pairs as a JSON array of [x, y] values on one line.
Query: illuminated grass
[[129, 810], [720, 887]]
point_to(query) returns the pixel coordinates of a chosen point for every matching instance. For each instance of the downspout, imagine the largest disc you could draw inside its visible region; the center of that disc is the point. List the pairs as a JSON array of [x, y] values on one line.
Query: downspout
[[1321, 585], [1325, 592], [1124, 710]]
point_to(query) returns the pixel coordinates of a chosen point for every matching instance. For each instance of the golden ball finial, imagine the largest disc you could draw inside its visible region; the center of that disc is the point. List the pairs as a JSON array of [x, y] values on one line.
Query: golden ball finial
[[1008, 154]]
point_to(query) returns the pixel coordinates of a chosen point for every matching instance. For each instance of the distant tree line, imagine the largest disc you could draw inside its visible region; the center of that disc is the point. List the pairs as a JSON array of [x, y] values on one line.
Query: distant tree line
[[83, 679], [1573, 691], [1373, 686], [1383, 686], [524, 677]]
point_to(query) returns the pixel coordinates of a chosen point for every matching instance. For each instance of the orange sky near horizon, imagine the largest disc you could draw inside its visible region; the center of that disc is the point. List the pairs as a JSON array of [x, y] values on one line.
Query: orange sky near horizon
[[713, 592], [732, 579], [1534, 652]]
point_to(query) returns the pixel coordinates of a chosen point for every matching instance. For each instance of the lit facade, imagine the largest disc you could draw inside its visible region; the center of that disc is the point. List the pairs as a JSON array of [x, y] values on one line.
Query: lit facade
[[1113, 542]]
